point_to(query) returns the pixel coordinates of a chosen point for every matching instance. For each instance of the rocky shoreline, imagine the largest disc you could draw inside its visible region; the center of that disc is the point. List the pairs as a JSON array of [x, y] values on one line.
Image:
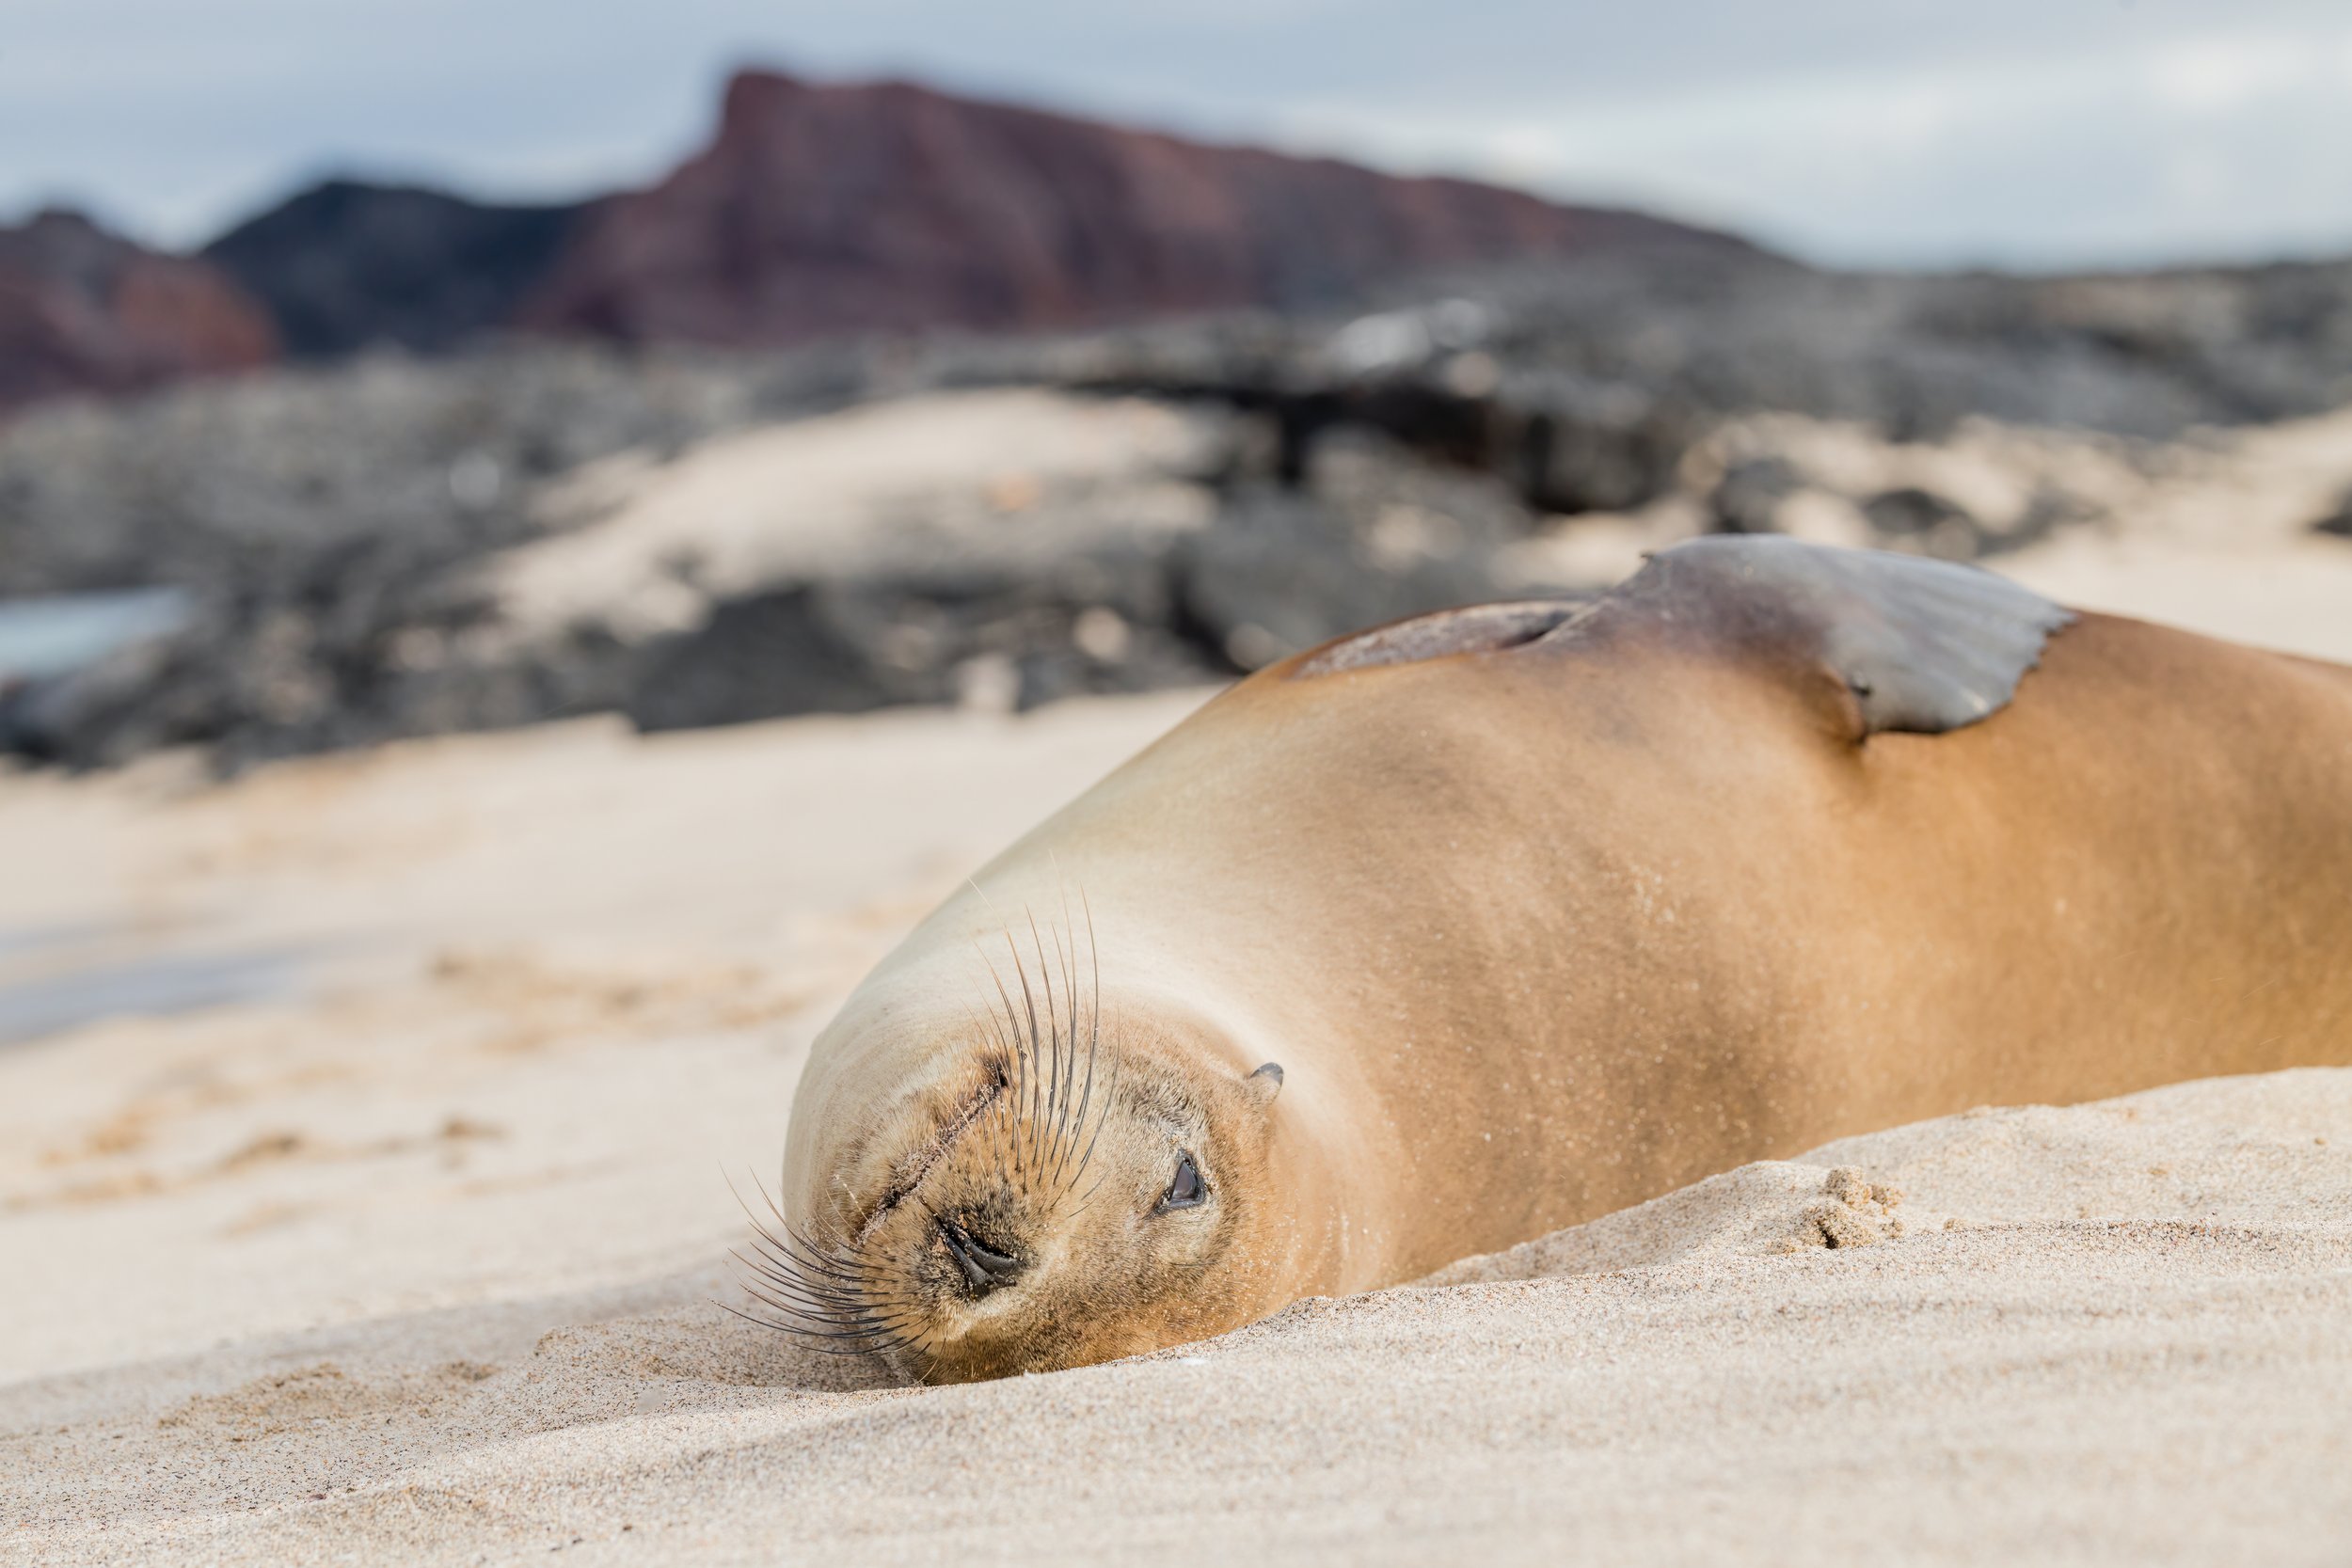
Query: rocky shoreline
[[344, 536]]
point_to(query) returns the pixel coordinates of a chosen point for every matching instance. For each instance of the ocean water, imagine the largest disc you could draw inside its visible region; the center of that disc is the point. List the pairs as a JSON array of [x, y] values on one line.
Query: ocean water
[[55, 979], [40, 638], [60, 977]]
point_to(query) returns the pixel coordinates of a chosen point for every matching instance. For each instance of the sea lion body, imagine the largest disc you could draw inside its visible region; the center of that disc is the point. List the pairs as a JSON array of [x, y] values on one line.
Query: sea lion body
[[1545, 913]]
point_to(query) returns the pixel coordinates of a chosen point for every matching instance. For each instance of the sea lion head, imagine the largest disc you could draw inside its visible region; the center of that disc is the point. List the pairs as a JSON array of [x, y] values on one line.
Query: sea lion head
[[1062, 1184]]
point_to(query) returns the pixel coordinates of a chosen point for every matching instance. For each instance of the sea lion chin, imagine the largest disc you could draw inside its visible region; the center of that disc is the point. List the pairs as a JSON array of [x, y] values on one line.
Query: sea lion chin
[[1545, 909]]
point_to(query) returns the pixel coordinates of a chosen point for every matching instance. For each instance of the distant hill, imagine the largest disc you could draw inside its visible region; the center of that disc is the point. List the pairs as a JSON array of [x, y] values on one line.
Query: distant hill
[[84, 310], [887, 206], [815, 210], [346, 265], [820, 209]]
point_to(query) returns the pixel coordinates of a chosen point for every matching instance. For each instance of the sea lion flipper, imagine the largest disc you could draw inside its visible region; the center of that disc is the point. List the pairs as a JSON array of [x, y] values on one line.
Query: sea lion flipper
[[1888, 642], [1919, 645]]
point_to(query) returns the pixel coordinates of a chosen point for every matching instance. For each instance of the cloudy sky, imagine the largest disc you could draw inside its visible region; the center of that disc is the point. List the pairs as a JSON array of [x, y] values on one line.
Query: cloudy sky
[[2036, 132]]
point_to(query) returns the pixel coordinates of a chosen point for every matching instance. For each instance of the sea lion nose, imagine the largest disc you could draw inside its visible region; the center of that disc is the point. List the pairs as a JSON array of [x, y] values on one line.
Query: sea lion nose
[[985, 1269]]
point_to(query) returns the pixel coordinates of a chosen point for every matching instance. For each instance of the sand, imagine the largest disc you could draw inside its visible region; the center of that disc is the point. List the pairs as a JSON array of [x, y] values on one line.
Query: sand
[[2114, 1332], [643, 546], [392, 1232]]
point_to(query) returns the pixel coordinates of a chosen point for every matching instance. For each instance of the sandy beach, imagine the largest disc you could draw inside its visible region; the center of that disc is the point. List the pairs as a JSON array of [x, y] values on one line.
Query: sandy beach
[[538, 546], [365, 1133]]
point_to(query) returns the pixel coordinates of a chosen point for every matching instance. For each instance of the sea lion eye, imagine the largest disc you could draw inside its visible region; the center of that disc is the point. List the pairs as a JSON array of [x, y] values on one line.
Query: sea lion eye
[[1184, 1190]]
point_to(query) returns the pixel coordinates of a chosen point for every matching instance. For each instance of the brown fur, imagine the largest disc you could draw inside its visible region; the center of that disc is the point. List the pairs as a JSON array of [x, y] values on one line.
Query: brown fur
[[1542, 930]]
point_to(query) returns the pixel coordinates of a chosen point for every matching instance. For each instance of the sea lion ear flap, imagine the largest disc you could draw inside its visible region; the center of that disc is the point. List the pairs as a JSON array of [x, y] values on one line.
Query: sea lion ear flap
[[1264, 1083]]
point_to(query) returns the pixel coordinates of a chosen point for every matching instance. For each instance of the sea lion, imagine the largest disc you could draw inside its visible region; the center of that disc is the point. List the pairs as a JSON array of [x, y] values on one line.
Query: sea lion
[[1544, 910]]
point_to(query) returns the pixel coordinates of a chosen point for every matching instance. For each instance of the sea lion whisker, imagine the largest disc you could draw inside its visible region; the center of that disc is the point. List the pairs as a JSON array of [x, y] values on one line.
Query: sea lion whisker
[[1062, 956], [1029, 1000], [781, 1246], [835, 1319], [1094, 1033], [1094, 1036], [787, 1253], [773, 1207], [834, 1324], [818, 1304], [982, 1022], [877, 1325], [807, 1256], [803, 1334], [819, 1275], [1024, 1087], [1066, 1044], [999, 1153], [787, 1326], [785, 1274], [1110, 1094], [1068, 952], [1086, 1200], [996, 1026], [1014, 1063], [999, 1070], [999, 1120], [1073, 1121], [783, 1295], [781, 1275], [1053, 1041]]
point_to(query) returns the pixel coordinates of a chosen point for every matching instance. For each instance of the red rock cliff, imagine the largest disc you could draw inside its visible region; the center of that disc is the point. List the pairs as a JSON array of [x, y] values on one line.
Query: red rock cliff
[[82, 310], [843, 208]]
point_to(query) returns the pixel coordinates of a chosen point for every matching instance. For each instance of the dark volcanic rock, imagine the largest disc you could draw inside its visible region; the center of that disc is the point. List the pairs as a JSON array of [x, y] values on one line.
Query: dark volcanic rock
[[888, 207], [1103, 621], [326, 529], [766, 655], [347, 265], [82, 310], [2337, 524], [1747, 499], [1372, 536], [2146, 355], [1924, 520], [1587, 449], [322, 525]]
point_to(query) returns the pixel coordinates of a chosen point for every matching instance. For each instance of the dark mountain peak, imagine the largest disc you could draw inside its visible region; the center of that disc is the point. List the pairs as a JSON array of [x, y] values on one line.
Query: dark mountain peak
[[349, 264]]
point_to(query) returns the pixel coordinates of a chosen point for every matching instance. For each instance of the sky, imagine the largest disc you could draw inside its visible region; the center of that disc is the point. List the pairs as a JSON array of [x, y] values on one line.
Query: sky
[[1880, 133]]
